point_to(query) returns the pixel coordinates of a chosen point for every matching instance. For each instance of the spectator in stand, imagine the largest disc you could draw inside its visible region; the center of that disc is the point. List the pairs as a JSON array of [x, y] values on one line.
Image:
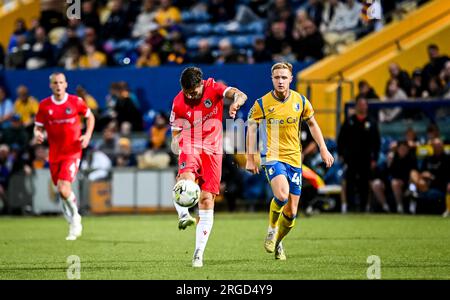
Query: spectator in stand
[[433, 132], [393, 93], [167, 16], [177, 53], [16, 134], [5, 171], [126, 110], [308, 42], [145, 20], [41, 51], [276, 9], [434, 88], [92, 58], [286, 54], [52, 14], [435, 66], [431, 184], [411, 139], [90, 101], [109, 144], [417, 89], [342, 28], [227, 54], [17, 57], [328, 12], [40, 160], [20, 28], [260, 53], [155, 38], [117, 25], [359, 158], [400, 165], [6, 109], [401, 76], [158, 154], [203, 55], [147, 57], [71, 50], [221, 10], [445, 77], [314, 9], [125, 157], [277, 37], [366, 91], [26, 107], [89, 15]]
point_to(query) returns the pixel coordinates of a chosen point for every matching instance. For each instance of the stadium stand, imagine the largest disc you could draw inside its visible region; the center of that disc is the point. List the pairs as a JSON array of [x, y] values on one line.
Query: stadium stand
[[113, 37]]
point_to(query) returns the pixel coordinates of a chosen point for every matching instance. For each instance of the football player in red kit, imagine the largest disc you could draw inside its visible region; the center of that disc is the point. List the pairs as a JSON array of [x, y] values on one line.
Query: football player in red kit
[[196, 121], [59, 115]]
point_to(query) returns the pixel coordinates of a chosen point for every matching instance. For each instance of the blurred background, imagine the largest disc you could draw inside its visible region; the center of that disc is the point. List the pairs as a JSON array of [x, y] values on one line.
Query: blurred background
[[381, 64]]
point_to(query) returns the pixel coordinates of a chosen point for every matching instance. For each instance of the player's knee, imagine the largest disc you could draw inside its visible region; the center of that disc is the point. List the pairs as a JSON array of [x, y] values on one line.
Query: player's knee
[[64, 190], [281, 194], [206, 200]]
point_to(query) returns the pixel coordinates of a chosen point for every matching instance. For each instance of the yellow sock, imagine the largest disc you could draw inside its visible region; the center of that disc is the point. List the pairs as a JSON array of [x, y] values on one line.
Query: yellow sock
[[447, 201], [275, 209], [284, 226]]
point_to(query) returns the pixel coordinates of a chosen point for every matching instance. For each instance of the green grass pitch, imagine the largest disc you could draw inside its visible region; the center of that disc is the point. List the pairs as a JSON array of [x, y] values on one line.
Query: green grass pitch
[[326, 246]]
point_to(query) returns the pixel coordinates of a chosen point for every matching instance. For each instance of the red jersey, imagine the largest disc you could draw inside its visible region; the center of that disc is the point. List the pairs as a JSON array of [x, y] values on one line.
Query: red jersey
[[200, 122], [62, 122]]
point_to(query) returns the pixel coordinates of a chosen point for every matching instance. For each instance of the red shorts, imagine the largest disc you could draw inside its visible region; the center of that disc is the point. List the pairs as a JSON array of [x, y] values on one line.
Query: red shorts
[[64, 170], [207, 169]]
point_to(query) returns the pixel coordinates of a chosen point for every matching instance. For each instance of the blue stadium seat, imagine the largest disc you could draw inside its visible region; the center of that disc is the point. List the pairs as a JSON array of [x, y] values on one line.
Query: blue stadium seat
[[203, 29], [192, 42], [257, 27], [220, 29], [194, 16]]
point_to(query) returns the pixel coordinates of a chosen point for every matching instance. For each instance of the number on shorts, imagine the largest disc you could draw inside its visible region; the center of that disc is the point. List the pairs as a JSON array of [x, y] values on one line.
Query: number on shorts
[[296, 179], [72, 169]]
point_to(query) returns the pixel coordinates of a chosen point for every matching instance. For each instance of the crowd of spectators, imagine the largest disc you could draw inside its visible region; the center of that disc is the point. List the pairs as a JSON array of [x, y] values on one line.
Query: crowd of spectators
[[149, 33]]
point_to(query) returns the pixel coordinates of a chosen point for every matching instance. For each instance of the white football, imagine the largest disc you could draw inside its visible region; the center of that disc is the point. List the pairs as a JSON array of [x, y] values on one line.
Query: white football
[[186, 193]]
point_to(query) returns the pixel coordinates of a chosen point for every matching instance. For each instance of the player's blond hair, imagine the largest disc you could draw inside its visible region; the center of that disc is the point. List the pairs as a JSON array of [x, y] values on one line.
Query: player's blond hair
[[282, 65], [55, 74]]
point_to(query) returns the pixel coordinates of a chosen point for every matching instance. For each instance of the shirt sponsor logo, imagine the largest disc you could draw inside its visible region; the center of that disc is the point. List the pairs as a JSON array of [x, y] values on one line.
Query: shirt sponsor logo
[[208, 103], [62, 121]]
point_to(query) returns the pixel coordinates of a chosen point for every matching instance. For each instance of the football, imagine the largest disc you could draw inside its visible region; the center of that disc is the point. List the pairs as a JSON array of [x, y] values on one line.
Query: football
[[186, 193]]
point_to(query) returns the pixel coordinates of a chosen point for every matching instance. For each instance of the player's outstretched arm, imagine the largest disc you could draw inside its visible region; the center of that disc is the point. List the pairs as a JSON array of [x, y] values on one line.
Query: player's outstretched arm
[[86, 138], [316, 133], [38, 134], [239, 99], [175, 145], [251, 165]]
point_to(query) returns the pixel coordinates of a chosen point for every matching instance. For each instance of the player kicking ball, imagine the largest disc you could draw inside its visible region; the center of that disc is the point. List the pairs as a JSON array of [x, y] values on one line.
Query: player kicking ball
[[281, 112], [196, 121], [59, 115]]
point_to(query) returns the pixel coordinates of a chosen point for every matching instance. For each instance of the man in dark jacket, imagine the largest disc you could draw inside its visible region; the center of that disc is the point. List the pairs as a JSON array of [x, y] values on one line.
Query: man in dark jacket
[[359, 147]]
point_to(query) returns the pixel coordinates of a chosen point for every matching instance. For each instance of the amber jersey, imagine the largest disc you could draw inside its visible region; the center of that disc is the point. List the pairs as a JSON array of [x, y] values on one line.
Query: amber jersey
[[280, 123]]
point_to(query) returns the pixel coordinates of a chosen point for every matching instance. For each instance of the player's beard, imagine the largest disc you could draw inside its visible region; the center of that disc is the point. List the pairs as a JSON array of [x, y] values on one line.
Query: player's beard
[[192, 102]]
